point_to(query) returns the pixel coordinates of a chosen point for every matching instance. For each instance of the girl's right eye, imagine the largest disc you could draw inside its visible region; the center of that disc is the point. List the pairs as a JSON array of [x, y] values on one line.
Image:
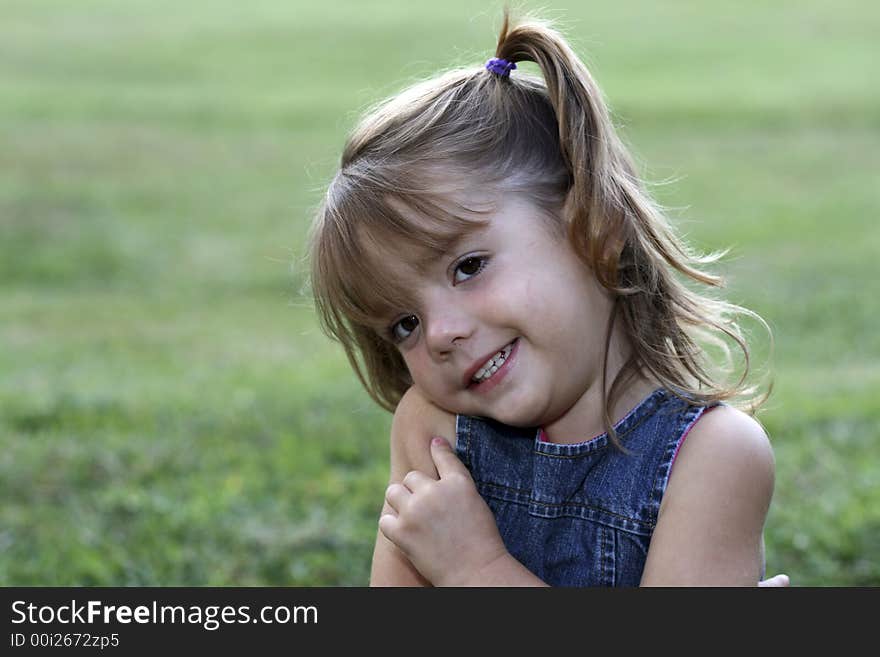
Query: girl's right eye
[[403, 328]]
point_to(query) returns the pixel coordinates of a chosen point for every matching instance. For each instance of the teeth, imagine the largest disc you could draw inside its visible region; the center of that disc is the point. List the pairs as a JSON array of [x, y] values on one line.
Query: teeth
[[491, 366]]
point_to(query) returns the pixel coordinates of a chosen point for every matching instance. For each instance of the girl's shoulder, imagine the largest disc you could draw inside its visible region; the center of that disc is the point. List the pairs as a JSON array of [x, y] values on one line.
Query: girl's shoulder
[[725, 435], [725, 445], [416, 421], [712, 514]]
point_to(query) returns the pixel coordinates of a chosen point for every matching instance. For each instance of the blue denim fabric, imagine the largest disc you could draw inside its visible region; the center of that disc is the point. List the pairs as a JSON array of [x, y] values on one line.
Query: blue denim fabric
[[581, 514]]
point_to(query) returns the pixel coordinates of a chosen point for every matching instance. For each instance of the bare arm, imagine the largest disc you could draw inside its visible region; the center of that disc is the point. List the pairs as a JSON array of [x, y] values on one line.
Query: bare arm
[[416, 420], [446, 530], [710, 527]]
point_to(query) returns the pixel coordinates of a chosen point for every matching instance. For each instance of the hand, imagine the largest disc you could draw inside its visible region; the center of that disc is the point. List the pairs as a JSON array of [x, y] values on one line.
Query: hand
[[442, 525], [777, 580]]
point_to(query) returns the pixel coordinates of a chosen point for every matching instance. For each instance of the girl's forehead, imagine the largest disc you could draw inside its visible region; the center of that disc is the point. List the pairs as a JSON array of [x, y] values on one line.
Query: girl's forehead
[[416, 237], [403, 259]]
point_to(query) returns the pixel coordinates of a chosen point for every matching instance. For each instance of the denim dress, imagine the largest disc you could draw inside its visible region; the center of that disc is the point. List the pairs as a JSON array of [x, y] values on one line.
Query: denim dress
[[581, 514]]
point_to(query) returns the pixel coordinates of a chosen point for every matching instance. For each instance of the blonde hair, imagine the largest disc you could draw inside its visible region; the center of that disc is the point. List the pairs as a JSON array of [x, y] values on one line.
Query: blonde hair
[[552, 141]]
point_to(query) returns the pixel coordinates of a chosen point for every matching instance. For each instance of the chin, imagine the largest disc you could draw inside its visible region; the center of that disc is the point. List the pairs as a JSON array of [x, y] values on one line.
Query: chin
[[521, 423], [518, 415], [512, 412]]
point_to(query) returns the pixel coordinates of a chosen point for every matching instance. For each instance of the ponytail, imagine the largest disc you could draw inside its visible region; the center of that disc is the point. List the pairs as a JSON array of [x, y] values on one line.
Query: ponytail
[[624, 237], [588, 143]]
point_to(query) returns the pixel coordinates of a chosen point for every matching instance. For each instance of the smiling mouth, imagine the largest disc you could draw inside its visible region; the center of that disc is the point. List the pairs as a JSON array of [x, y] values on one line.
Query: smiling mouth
[[491, 366]]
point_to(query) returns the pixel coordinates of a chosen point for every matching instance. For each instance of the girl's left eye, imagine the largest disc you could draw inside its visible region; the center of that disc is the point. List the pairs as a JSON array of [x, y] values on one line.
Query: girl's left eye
[[468, 268]]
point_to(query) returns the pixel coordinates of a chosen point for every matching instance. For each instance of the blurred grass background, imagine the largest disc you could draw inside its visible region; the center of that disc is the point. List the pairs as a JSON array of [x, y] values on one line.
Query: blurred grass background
[[169, 412]]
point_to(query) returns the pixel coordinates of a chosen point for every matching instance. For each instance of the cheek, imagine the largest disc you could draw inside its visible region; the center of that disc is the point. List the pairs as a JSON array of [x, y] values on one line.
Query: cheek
[[520, 298], [415, 364], [561, 306], [420, 369], [540, 301]]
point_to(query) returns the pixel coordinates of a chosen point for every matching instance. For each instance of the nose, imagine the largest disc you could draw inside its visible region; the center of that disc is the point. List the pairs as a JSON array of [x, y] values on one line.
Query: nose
[[446, 328]]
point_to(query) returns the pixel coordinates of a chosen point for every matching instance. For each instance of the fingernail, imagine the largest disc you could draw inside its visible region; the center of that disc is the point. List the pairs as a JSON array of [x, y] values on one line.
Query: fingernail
[[437, 441]]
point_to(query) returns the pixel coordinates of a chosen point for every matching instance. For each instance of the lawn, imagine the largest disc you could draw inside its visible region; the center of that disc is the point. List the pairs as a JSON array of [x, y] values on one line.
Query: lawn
[[170, 414]]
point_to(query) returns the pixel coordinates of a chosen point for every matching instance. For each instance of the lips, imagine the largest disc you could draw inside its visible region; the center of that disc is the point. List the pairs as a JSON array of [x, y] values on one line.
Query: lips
[[482, 369]]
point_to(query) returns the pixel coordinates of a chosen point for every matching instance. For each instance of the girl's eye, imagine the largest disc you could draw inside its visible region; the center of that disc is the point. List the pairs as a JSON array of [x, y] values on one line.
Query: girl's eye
[[403, 328], [468, 268]]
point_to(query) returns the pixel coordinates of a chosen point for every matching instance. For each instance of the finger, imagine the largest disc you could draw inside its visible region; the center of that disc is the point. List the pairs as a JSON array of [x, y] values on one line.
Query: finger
[[388, 527], [445, 459], [777, 580], [414, 480], [397, 496]]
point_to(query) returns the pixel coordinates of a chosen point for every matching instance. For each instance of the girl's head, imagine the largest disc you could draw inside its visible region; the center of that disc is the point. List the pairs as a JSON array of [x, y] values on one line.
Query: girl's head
[[453, 180]]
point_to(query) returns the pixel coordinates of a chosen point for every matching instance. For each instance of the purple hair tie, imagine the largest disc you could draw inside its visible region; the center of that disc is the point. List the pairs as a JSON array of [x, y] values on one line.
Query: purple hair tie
[[500, 66]]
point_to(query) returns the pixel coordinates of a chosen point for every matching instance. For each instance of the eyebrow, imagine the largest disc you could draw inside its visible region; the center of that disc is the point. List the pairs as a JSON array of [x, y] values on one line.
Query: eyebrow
[[445, 245]]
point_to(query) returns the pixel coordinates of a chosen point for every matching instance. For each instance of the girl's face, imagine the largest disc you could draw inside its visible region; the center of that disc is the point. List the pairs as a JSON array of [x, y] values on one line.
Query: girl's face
[[512, 296]]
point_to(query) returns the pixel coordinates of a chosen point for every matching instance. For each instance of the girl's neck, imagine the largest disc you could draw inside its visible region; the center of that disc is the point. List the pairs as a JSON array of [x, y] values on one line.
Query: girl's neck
[[585, 419], [570, 428]]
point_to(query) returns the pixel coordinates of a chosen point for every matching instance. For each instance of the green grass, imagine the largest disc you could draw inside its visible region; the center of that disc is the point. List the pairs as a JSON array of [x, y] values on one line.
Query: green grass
[[169, 412]]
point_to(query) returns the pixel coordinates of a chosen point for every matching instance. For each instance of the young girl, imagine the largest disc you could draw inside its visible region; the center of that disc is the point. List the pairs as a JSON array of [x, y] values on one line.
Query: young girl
[[501, 280]]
